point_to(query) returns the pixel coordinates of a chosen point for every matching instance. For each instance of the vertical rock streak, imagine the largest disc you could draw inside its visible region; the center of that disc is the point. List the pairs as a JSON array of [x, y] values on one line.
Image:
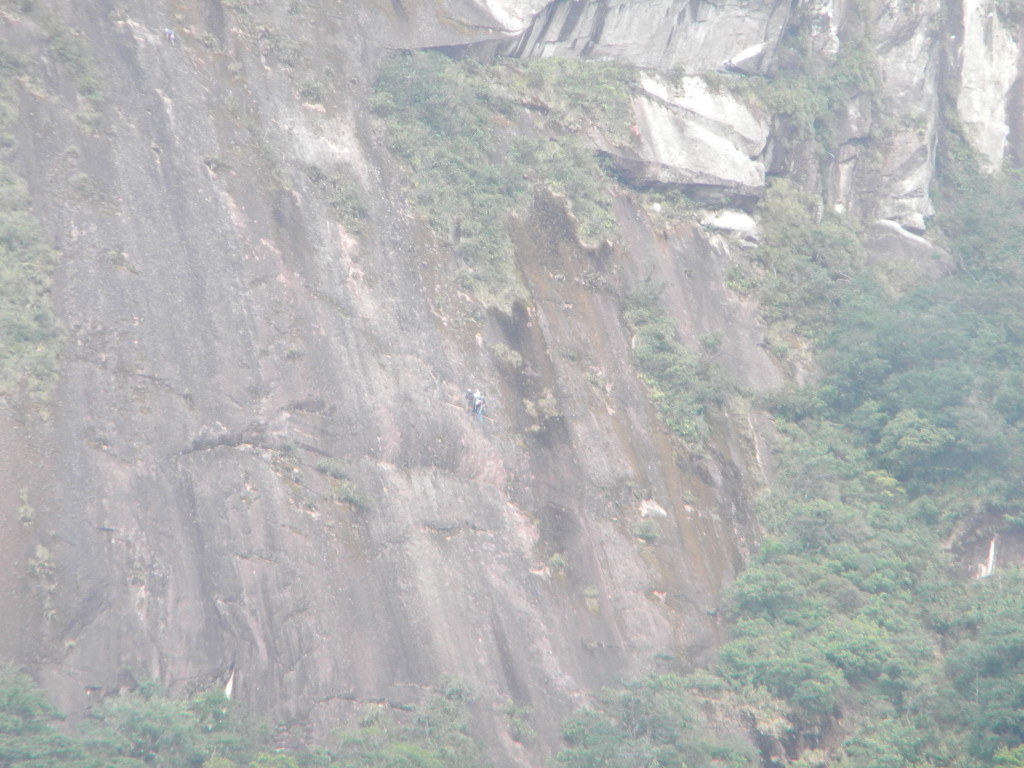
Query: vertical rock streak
[[258, 458]]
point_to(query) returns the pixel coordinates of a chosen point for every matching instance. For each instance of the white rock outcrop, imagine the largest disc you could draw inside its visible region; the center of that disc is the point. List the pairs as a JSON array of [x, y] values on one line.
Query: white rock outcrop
[[513, 15], [880, 168], [691, 135], [903, 258], [908, 70], [989, 58], [738, 223], [693, 36]]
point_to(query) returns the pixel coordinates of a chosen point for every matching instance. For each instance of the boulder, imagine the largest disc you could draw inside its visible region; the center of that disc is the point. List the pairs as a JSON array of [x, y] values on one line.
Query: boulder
[[688, 135], [904, 258]]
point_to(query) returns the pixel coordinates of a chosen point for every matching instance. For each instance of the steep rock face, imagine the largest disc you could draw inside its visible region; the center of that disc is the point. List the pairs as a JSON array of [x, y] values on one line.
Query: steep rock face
[[258, 457], [911, 42], [665, 34], [924, 51], [971, 52], [710, 143], [514, 15], [907, 50], [989, 61]]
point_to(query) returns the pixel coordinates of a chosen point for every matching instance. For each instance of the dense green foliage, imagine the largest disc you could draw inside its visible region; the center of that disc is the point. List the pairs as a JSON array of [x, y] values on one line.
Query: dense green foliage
[[470, 140], [813, 92], [436, 734], [147, 729], [803, 263], [140, 729], [852, 612], [27, 735], [649, 723]]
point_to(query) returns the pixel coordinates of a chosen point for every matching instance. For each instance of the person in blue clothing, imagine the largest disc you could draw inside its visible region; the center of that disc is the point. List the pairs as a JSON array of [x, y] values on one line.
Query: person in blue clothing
[[479, 407]]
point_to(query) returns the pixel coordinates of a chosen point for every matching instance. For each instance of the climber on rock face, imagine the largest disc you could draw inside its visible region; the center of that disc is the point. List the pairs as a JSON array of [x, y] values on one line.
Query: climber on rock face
[[479, 408], [470, 399], [170, 37]]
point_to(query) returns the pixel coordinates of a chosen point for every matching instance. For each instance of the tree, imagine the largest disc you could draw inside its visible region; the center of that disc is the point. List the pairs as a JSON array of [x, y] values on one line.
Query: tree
[[647, 723], [27, 736], [1006, 757], [278, 760], [910, 444]]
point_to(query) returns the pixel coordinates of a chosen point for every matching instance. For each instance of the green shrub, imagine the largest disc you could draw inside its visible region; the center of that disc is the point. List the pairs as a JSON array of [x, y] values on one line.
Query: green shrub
[[343, 195], [28, 735], [645, 530], [29, 336], [332, 468], [475, 156], [812, 94], [652, 721], [681, 383], [804, 260]]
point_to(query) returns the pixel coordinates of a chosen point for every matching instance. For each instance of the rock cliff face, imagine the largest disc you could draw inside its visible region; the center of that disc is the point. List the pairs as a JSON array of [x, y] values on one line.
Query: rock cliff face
[[257, 456], [988, 64], [664, 34], [686, 136]]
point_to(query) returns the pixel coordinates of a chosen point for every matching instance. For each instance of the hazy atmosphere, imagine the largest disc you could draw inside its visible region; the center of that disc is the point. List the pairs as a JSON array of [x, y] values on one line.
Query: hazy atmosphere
[[511, 384]]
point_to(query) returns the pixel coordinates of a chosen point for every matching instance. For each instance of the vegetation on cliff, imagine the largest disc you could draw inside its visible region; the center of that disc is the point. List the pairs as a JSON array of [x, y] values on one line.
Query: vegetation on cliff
[[845, 614], [648, 722], [853, 639], [852, 613], [683, 384], [28, 331], [146, 728], [477, 142]]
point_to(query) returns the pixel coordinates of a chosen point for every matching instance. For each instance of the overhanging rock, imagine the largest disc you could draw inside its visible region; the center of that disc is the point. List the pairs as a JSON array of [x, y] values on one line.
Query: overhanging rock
[[688, 135]]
